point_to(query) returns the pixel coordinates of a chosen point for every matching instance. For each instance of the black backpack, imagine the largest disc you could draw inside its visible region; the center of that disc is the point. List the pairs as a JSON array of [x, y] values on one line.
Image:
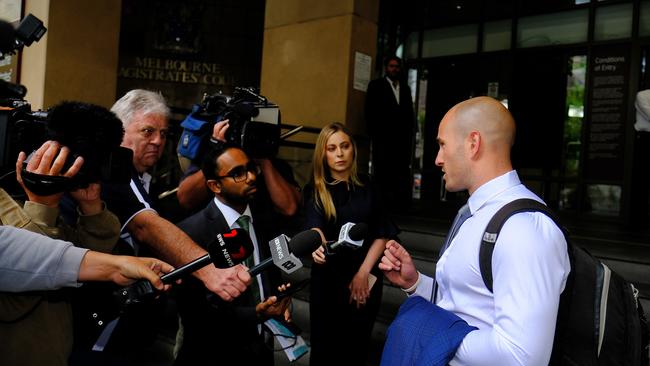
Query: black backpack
[[600, 319]]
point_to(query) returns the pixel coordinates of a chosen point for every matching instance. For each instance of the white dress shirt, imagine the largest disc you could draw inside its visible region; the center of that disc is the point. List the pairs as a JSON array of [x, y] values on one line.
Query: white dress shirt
[[231, 216], [530, 265], [394, 87]]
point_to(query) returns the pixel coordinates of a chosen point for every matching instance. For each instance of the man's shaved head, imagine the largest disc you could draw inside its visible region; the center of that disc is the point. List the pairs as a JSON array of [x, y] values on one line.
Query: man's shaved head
[[475, 138], [488, 116]]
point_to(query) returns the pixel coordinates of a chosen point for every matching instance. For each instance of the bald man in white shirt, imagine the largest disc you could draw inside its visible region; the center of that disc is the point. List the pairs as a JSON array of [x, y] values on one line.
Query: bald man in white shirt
[[516, 322]]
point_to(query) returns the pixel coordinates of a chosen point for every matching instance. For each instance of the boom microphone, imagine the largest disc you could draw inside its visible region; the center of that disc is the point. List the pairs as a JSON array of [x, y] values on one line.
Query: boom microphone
[[226, 250], [350, 236], [285, 251]]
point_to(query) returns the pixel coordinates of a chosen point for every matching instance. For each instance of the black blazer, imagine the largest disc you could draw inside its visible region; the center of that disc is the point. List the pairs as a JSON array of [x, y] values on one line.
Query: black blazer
[[389, 123], [214, 329]]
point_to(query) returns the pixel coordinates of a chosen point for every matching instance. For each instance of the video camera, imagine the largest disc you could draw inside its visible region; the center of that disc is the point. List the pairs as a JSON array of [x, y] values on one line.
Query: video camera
[[254, 123], [90, 131], [30, 30]]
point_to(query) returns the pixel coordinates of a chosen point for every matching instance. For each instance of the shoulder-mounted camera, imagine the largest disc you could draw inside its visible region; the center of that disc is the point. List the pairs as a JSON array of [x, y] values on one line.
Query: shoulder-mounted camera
[[254, 123]]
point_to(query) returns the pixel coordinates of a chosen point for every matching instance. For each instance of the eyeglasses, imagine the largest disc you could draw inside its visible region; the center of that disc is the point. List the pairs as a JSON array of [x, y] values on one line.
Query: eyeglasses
[[240, 173]]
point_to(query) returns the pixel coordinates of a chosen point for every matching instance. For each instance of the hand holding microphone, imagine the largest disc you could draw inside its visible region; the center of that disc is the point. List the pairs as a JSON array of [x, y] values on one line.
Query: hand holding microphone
[[350, 236], [285, 252], [225, 251], [228, 250]]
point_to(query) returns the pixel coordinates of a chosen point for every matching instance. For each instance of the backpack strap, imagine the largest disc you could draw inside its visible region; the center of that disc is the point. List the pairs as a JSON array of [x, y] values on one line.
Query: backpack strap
[[494, 227]]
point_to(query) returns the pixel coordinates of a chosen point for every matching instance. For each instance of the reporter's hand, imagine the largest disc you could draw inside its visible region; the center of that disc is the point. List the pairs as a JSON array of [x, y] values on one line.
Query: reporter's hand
[[122, 269], [89, 199], [219, 130], [271, 307], [49, 159], [135, 268], [227, 283], [319, 255], [398, 266]]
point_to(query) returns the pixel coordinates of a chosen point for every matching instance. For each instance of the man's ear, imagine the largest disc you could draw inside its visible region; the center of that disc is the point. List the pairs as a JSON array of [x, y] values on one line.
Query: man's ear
[[214, 186], [474, 142]]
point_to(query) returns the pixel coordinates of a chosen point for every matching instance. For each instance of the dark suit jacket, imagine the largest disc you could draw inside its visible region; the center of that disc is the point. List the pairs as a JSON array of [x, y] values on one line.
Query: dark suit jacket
[[215, 331], [390, 125]]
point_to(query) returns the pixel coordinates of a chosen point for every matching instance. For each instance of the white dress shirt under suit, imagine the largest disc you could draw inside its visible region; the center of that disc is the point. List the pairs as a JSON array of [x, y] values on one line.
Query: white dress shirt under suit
[[530, 266]]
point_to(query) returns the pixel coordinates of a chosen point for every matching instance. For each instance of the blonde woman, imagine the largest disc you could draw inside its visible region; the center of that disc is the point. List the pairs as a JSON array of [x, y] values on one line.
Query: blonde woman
[[343, 304]]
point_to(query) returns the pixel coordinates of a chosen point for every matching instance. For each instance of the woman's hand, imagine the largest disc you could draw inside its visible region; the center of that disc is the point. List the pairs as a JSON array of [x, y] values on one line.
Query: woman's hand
[[319, 255], [359, 290]]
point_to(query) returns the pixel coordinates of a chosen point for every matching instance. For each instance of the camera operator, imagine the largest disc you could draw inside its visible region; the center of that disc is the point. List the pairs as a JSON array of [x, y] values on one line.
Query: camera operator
[[40, 324], [279, 193], [144, 115]]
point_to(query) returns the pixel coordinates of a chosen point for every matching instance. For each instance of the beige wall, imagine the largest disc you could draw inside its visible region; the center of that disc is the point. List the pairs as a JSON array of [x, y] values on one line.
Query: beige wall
[[308, 65], [77, 57]]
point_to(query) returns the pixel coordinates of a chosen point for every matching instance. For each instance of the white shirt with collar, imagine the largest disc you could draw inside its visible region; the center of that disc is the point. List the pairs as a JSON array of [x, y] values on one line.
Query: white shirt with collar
[[231, 216], [530, 266], [394, 87]]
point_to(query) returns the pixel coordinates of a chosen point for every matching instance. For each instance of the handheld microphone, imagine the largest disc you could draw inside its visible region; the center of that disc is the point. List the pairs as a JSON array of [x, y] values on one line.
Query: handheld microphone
[[350, 236], [226, 250], [285, 252]]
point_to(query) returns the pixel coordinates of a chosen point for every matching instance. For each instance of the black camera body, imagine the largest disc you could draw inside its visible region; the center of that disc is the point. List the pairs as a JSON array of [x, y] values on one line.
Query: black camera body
[[254, 122], [20, 130], [90, 131]]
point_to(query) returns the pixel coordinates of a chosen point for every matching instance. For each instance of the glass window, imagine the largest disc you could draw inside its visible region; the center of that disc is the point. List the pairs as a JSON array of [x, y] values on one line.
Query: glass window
[[450, 41], [552, 29], [604, 199], [613, 22], [496, 35], [573, 120], [644, 19], [568, 197], [411, 46]]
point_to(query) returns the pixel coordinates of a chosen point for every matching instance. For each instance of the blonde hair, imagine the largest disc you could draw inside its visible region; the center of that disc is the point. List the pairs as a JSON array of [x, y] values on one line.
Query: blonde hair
[[322, 197]]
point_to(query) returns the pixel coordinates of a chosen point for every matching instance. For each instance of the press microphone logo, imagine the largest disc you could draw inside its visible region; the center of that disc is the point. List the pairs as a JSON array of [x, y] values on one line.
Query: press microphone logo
[[282, 257], [232, 247], [241, 252]]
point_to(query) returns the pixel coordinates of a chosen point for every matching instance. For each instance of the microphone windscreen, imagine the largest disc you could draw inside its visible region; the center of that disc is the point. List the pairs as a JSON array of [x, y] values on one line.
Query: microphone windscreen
[[304, 243], [358, 231], [230, 249], [7, 36]]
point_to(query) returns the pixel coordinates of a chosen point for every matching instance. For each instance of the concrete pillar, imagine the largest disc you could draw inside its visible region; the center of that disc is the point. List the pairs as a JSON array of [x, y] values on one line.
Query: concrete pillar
[[77, 58], [308, 63]]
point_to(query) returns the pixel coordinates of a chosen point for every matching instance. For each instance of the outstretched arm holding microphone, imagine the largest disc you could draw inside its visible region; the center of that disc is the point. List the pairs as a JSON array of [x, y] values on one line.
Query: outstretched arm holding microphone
[[30, 262]]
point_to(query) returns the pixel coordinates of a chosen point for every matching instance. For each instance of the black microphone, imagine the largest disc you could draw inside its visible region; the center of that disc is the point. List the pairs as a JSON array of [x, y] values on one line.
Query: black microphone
[[285, 252], [225, 251], [350, 236]]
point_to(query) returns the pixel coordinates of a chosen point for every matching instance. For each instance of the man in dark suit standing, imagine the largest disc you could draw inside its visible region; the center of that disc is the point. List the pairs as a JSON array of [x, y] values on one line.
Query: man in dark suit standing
[[217, 332], [390, 123]]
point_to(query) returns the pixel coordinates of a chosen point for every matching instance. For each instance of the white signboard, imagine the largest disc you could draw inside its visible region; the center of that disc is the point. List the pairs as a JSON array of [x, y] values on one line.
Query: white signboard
[[362, 66]]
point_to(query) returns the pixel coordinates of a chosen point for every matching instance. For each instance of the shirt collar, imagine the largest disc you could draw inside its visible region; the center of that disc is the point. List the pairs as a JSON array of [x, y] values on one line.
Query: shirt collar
[[390, 81], [145, 179], [230, 214], [491, 189]]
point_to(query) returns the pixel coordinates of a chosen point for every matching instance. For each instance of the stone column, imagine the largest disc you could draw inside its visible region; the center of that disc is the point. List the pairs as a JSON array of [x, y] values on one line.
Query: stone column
[[77, 58], [308, 64]]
